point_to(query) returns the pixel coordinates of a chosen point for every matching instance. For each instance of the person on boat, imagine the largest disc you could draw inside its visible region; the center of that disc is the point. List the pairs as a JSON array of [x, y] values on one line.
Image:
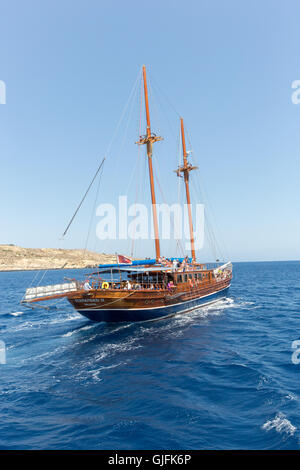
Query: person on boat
[[86, 285], [182, 266]]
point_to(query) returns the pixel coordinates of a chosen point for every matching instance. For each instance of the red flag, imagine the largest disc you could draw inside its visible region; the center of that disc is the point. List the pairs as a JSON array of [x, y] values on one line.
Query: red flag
[[123, 259]]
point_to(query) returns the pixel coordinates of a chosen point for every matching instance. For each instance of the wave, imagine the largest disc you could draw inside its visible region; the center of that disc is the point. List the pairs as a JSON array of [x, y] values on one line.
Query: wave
[[16, 314], [11, 314], [78, 330], [38, 322]]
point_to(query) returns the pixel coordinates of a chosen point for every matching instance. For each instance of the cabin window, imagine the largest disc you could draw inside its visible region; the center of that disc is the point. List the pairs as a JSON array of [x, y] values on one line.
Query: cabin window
[[179, 278], [185, 278], [190, 276]]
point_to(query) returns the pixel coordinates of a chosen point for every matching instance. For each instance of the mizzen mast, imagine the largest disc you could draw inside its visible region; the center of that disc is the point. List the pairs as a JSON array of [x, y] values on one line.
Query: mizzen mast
[[148, 140], [185, 169]]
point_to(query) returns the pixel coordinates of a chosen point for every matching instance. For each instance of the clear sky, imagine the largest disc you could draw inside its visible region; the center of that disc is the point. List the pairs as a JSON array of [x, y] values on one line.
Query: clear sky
[[227, 67]]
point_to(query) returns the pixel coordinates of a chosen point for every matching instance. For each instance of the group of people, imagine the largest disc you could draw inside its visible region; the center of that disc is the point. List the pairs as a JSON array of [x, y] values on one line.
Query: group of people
[[182, 266], [129, 285], [124, 285]]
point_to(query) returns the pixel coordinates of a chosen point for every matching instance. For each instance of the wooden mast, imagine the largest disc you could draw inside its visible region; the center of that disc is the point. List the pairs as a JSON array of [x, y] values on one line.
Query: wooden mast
[[149, 139], [185, 169]]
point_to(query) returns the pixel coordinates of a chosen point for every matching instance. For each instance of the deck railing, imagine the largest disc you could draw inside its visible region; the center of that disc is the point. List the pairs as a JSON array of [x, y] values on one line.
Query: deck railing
[[193, 284], [123, 285]]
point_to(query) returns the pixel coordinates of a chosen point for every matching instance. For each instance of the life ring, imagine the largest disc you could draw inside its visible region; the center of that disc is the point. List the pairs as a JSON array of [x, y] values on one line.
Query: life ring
[[105, 285]]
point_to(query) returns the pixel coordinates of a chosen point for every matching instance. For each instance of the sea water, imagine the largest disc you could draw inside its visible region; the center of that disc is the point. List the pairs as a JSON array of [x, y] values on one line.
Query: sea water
[[221, 377]]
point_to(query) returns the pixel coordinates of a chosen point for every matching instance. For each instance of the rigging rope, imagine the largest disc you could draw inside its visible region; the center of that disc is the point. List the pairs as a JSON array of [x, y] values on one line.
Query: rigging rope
[[93, 210], [132, 93], [81, 202], [178, 242]]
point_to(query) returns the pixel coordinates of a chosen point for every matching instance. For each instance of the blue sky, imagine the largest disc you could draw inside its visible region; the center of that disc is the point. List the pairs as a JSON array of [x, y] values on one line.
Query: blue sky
[[227, 67]]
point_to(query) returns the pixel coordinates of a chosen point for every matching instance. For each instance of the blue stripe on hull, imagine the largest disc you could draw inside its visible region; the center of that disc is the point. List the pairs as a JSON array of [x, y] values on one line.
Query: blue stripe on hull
[[115, 315]]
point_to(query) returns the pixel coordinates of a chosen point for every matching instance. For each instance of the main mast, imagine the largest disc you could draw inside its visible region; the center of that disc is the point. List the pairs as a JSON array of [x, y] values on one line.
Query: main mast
[[149, 139], [185, 169]]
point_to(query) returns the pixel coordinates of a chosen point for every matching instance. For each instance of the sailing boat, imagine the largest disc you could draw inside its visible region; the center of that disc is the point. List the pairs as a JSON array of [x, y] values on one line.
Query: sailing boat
[[145, 289]]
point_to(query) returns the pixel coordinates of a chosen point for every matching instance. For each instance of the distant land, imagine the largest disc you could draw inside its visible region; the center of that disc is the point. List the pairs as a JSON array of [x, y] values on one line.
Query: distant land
[[16, 258]]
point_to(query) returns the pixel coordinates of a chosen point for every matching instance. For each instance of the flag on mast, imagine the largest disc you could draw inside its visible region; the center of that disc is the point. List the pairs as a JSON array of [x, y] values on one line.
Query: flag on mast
[[121, 259]]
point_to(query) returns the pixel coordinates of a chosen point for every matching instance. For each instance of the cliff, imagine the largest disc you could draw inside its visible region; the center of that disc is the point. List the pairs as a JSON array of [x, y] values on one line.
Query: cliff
[[16, 258]]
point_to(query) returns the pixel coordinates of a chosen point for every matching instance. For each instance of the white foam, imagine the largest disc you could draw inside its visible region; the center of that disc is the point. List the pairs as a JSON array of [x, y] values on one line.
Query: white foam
[[281, 424], [16, 314], [95, 375], [263, 381], [291, 396], [38, 323], [84, 328]]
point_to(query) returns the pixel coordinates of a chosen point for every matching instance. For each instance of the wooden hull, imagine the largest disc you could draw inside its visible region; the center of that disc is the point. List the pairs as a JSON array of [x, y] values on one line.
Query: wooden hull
[[138, 307]]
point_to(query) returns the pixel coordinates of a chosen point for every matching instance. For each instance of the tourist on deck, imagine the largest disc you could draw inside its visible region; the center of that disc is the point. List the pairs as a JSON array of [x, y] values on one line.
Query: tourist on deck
[[183, 265], [86, 285]]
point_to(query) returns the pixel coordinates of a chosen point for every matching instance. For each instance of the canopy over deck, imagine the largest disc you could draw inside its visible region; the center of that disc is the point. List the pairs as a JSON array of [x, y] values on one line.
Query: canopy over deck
[[142, 262], [131, 269]]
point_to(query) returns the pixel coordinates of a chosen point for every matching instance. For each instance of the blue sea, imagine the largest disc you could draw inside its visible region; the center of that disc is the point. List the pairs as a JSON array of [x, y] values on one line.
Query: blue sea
[[221, 377]]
